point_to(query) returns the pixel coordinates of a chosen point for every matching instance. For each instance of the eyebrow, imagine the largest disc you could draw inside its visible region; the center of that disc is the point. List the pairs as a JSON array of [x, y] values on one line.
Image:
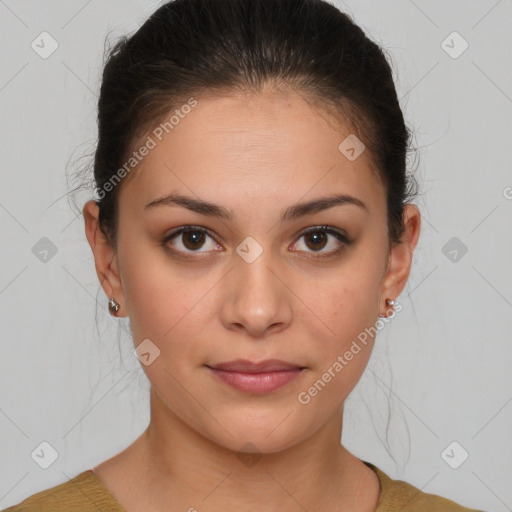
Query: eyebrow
[[293, 212]]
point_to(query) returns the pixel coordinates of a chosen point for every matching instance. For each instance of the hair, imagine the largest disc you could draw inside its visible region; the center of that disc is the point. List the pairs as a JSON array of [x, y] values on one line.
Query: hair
[[192, 47]]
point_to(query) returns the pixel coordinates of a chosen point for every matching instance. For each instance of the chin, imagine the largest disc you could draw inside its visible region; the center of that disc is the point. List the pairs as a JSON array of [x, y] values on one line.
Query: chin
[[271, 435]]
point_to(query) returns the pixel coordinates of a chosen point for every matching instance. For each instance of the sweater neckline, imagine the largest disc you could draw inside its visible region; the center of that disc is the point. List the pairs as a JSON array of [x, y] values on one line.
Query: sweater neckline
[[384, 482]]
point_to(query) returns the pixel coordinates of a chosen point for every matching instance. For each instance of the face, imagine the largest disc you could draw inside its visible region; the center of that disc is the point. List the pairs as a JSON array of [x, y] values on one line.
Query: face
[[261, 281]]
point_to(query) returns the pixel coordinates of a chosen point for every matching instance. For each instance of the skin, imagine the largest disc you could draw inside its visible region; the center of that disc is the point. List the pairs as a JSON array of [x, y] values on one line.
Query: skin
[[254, 154]]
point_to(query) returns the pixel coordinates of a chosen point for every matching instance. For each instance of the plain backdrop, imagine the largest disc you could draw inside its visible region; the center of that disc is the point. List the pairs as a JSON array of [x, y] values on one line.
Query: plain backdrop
[[442, 366]]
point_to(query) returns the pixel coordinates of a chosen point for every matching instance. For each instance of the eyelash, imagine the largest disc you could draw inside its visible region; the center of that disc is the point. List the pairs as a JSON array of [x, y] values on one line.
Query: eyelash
[[327, 229]]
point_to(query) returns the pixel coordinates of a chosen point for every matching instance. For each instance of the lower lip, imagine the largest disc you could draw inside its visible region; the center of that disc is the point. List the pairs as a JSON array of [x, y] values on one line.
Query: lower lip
[[257, 383]]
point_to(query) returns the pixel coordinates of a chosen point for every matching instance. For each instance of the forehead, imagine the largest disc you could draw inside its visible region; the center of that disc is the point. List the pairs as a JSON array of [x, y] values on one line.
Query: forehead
[[254, 146]]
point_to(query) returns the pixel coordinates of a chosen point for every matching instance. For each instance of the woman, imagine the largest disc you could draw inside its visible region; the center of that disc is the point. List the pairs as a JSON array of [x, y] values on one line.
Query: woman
[[253, 219]]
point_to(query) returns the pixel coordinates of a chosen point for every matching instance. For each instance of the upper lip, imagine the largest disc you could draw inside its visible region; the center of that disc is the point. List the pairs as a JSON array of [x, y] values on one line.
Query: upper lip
[[245, 366]]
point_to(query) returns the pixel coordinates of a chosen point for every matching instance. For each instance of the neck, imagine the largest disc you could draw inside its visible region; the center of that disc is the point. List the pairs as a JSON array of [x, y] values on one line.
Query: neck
[[181, 465]]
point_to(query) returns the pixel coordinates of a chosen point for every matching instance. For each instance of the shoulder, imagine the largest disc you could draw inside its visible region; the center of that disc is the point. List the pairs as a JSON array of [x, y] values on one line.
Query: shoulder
[[83, 493], [399, 495]]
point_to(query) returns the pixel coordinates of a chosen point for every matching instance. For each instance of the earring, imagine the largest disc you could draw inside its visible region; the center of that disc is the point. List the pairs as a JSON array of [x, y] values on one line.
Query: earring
[[389, 302], [113, 307]]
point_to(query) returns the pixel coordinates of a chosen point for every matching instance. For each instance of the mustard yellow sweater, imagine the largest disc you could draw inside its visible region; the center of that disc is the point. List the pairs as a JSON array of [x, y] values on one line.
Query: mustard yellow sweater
[[86, 493]]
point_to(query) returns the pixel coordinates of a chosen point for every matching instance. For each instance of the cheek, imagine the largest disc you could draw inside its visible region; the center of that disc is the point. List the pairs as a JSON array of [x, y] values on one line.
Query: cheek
[[340, 359], [350, 301], [350, 306], [165, 314], [161, 300]]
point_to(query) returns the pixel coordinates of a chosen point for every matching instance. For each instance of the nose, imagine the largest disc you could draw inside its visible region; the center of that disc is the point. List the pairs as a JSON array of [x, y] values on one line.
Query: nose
[[256, 298]]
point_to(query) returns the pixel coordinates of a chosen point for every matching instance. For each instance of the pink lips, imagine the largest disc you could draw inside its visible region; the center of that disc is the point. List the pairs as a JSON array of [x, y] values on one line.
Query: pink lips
[[256, 378]]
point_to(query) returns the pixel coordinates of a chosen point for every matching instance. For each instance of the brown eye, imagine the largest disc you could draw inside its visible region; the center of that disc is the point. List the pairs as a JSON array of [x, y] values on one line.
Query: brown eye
[[193, 239], [317, 239], [189, 239]]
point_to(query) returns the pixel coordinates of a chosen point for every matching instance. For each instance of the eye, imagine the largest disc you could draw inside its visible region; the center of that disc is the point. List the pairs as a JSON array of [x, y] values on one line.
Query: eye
[[317, 238], [192, 239]]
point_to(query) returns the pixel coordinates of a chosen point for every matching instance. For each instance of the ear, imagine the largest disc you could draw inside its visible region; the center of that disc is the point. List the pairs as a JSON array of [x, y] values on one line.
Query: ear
[[105, 256], [400, 257]]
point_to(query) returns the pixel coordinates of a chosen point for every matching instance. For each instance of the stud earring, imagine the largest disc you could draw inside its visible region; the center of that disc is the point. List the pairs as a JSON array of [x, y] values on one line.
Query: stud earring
[[113, 307], [389, 302]]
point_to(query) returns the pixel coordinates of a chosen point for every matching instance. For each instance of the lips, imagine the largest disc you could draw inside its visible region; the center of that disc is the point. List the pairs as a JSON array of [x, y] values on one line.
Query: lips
[[256, 378], [245, 366]]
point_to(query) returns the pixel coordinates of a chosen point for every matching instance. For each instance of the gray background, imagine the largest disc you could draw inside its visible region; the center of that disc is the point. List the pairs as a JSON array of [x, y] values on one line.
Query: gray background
[[446, 355]]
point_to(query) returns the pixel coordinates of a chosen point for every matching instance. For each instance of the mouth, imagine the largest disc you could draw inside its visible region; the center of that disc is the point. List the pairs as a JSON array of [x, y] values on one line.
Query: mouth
[[246, 366], [256, 378]]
